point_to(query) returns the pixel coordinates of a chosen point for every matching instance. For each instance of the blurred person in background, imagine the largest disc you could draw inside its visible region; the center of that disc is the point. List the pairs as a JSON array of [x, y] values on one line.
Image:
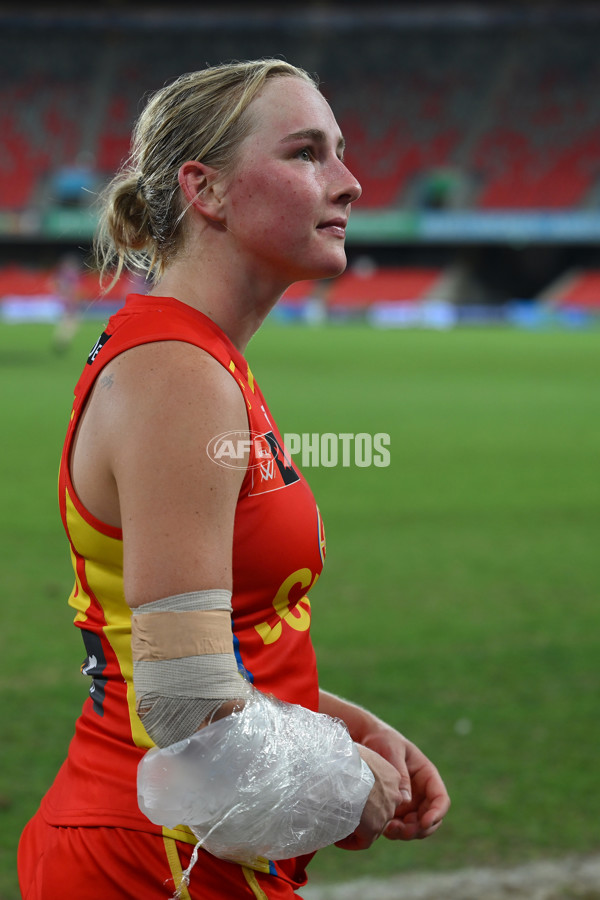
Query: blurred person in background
[[191, 578], [66, 281]]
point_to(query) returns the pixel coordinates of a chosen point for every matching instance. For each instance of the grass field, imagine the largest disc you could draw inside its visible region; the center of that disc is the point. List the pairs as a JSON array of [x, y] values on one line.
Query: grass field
[[460, 596]]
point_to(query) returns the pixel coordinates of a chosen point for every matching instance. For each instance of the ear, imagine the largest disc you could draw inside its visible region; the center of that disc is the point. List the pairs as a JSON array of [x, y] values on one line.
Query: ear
[[202, 189]]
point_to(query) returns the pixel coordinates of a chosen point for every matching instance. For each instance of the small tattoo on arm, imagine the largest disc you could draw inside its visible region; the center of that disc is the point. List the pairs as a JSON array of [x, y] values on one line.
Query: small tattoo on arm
[[107, 381]]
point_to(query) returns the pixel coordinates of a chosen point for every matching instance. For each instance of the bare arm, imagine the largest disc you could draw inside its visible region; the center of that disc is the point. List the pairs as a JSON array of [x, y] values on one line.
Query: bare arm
[[417, 797], [140, 462]]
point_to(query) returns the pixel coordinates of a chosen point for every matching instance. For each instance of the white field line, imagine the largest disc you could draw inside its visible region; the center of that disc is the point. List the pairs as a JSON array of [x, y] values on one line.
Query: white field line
[[572, 877]]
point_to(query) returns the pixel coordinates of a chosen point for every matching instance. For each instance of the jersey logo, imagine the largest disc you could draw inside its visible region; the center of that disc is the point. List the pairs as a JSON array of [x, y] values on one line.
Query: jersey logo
[[274, 470], [97, 347], [267, 470], [291, 606], [322, 538]]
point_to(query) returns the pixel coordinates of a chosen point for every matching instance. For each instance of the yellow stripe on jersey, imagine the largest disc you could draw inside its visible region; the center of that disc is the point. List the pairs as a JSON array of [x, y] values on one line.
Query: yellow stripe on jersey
[[181, 833], [102, 558], [175, 867], [253, 884], [79, 599], [242, 384]]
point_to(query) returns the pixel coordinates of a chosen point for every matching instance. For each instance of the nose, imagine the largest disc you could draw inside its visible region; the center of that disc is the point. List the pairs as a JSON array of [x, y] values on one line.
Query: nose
[[346, 187]]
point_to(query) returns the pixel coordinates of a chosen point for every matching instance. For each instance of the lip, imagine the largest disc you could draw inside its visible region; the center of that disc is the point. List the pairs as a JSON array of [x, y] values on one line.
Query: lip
[[335, 226]]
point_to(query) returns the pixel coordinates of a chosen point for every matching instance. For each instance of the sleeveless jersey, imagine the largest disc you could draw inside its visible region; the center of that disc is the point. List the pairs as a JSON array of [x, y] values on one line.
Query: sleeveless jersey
[[278, 553]]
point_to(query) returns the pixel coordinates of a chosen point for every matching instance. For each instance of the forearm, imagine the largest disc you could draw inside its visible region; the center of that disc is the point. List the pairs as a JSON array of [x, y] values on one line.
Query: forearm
[[420, 797], [360, 722], [368, 730], [296, 773]]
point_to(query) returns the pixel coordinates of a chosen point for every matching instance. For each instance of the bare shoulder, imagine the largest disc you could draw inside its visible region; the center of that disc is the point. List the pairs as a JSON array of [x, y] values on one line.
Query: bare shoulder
[[156, 385], [164, 365], [152, 411], [161, 404]]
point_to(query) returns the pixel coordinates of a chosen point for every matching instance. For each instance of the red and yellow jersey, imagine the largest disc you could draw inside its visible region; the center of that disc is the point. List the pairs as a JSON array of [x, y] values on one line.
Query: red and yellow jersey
[[278, 553]]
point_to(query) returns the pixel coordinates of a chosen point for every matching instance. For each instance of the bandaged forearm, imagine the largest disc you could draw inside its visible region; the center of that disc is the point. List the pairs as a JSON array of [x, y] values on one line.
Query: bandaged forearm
[[184, 667], [271, 780]]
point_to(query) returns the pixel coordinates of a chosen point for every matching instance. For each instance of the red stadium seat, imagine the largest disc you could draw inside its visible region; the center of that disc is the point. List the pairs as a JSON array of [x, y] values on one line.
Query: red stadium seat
[[583, 292], [356, 290]]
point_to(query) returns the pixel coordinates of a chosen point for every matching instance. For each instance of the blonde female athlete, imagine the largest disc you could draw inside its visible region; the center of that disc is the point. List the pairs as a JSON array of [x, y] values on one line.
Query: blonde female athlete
[[191, 578]]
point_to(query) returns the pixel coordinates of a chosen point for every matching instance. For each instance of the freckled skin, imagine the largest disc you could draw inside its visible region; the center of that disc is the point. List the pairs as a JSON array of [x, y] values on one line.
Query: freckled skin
[[282, 190]]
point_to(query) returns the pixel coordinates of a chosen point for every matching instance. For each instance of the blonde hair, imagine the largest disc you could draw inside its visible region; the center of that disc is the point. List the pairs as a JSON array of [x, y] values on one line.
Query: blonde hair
[[199, 116]]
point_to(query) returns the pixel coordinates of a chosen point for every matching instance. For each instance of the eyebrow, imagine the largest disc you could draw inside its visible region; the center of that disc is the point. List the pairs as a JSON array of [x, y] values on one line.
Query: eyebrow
[[311, 134]]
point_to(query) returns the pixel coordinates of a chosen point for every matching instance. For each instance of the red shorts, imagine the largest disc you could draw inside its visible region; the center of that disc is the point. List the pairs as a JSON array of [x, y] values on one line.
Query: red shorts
[[122, 864]]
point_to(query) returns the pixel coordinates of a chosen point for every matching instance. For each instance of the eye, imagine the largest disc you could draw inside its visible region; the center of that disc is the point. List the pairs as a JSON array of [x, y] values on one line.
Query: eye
[[305, 154]]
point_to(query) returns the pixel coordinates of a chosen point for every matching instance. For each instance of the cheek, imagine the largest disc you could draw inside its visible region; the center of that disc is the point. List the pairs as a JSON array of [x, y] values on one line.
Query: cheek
[[269, 197]]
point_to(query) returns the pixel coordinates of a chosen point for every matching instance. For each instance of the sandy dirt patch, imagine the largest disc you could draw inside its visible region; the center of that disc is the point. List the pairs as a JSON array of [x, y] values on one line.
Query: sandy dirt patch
[[573, 878]]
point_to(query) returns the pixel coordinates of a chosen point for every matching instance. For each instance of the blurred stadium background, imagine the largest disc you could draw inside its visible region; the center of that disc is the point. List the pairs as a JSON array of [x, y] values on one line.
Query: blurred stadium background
[[474, 129]]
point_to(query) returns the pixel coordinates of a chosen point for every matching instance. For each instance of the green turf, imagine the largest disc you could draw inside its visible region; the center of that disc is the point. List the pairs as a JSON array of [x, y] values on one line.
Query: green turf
[[460, 595]]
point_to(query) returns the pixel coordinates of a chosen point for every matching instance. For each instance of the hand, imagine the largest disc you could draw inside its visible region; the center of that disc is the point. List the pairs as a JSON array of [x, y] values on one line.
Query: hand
[[422, 814], [387, 795], [408, 802]]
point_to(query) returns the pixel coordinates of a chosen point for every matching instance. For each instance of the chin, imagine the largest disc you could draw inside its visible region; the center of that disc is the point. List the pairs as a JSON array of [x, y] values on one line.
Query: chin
[[331, 269]]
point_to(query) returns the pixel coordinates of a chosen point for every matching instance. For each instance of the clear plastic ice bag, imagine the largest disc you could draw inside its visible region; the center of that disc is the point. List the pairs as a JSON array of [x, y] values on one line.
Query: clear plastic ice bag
[[272, 780]]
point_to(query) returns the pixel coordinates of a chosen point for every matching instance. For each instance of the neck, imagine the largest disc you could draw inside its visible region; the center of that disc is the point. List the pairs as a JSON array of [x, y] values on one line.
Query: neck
[[233, 293]]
